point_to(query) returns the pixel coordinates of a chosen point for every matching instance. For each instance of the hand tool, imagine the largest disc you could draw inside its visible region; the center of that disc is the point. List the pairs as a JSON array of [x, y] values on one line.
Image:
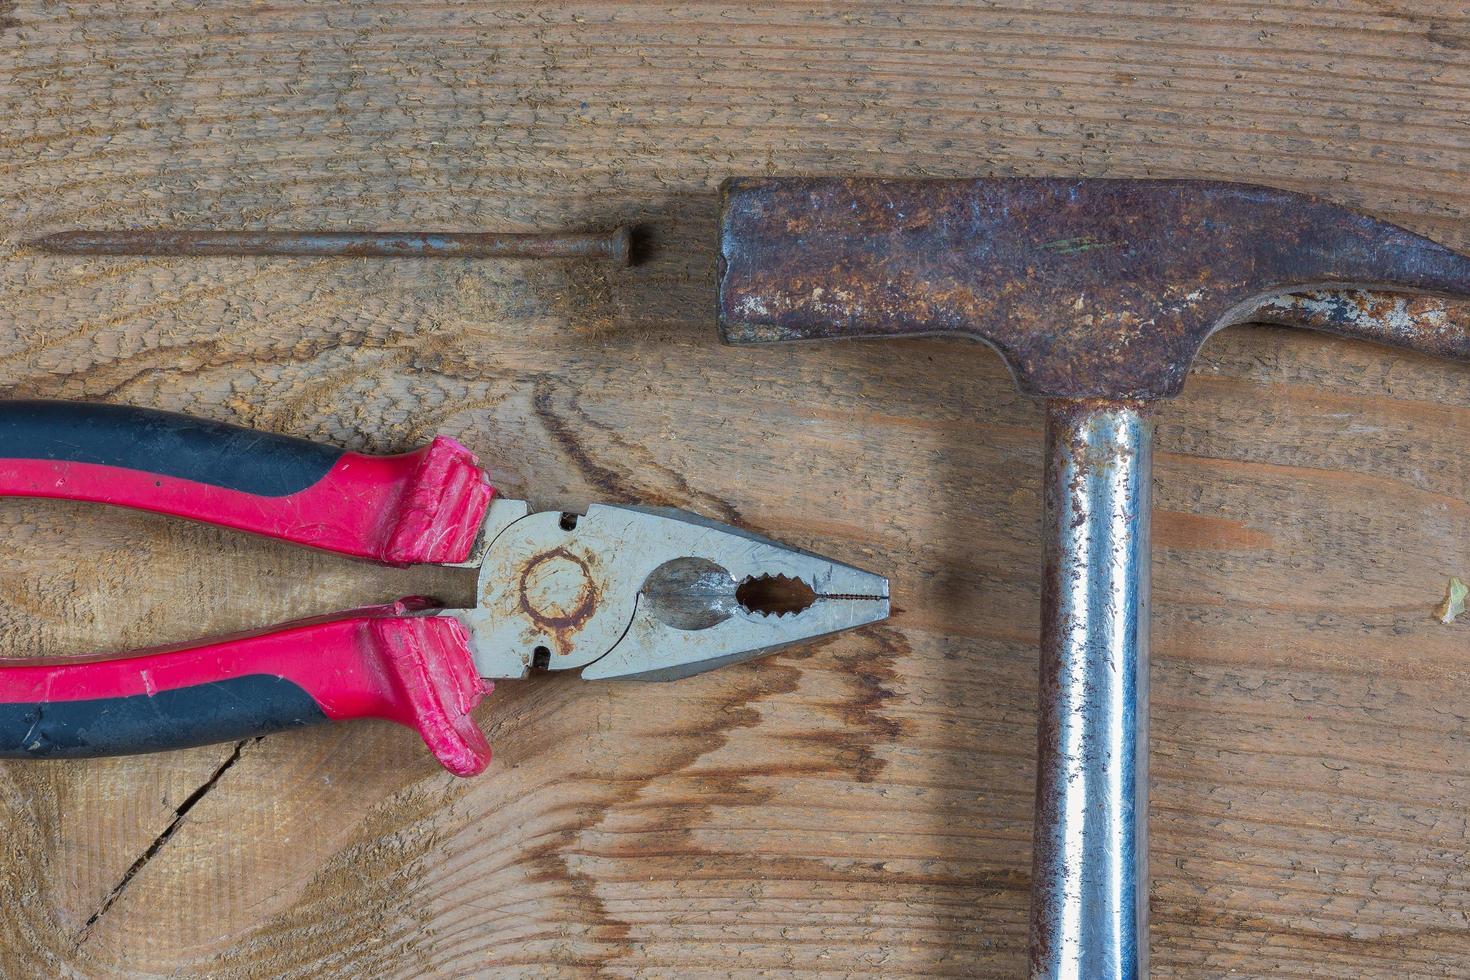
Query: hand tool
[[621, 592], [1097, 294], [615, 246]]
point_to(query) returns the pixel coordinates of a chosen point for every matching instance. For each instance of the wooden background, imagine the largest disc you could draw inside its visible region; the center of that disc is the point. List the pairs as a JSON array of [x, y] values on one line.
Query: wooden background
[[861, 808]]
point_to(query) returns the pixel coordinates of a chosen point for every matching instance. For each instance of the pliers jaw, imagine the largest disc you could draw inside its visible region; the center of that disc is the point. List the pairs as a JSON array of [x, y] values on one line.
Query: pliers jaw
[[641, 593]]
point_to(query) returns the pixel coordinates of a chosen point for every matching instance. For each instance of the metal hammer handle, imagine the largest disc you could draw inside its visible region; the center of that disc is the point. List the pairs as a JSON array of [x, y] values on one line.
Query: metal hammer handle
[[1089, 902]]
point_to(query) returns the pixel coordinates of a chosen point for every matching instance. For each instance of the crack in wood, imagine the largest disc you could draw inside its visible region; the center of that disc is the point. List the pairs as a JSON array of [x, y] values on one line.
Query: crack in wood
[[163, 838]]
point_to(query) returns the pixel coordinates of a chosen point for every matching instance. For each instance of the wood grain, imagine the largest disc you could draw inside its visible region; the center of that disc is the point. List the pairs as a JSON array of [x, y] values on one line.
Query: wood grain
[[861, 808]]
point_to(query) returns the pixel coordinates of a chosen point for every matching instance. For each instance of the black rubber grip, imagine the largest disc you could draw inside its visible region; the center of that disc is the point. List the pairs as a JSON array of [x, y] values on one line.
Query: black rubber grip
[[164, 443], [223, 711]]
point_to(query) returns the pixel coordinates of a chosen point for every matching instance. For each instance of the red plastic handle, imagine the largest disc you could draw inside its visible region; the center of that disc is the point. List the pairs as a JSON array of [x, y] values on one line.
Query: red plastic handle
[[376, 662], [421, 506]]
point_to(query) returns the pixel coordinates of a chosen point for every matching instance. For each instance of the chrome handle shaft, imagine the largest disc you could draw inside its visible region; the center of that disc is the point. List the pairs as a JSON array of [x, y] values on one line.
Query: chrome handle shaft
[[1089, 900]]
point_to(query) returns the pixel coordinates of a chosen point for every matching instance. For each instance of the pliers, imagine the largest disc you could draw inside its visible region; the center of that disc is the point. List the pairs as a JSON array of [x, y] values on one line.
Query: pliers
[[620, 592]]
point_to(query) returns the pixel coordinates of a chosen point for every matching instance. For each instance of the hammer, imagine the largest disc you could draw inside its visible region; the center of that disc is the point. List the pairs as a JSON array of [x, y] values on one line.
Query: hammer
[[1097, 294]]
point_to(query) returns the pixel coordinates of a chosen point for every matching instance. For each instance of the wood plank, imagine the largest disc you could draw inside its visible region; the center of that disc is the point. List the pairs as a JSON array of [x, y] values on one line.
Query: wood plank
[[861, 808]]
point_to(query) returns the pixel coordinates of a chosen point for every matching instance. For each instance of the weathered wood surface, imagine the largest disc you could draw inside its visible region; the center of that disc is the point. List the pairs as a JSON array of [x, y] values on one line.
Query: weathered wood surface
[[857, 809]]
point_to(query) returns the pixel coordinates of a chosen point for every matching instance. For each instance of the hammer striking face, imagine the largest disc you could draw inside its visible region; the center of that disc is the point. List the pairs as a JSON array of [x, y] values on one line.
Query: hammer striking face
[[1098, 294]]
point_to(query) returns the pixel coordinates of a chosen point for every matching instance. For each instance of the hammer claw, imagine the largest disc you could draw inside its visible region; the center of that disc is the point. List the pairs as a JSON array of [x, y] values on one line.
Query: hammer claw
[[1422, 323]]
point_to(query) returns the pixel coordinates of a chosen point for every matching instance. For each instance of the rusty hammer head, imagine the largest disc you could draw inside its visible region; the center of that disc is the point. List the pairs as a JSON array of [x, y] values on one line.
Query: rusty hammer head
[[1088, 288]]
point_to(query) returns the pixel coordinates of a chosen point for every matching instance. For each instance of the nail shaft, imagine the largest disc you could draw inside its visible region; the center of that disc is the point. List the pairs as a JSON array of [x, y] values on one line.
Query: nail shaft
[[613, 246]]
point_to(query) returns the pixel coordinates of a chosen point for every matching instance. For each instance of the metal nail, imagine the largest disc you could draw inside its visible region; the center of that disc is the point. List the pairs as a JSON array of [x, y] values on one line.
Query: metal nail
[[614, 245]]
